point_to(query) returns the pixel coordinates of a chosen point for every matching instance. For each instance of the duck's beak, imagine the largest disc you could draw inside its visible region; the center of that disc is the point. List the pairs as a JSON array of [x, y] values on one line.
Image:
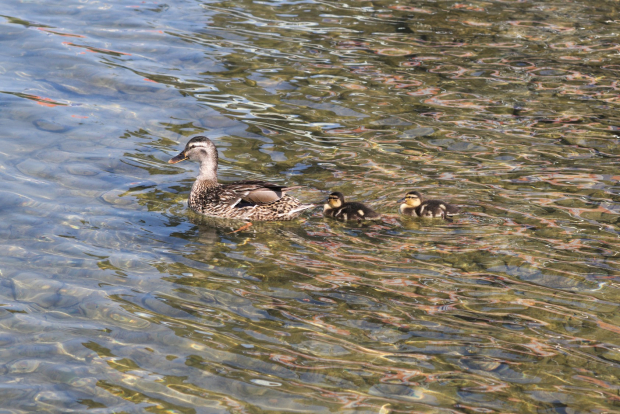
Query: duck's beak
[[400, 201], [178, 158]]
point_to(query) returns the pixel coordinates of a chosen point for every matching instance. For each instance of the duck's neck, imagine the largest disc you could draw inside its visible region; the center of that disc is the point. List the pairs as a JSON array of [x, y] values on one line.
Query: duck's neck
[[407, 210], [208, 174]]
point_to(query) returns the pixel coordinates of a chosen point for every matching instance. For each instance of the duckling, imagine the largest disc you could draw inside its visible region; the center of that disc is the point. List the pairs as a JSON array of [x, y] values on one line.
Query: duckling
[[245, 200], [414, 205], [338, 209]]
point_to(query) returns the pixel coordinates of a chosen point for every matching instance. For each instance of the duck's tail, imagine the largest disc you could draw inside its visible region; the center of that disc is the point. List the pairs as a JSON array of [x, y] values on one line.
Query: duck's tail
[[452, 209]]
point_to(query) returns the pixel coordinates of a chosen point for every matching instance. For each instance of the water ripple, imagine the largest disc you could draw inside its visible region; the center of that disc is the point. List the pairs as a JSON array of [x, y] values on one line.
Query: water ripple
[[115, 297]]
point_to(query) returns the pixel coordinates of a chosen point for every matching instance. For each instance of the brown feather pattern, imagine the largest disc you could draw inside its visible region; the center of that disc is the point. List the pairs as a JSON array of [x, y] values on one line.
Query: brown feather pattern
[[245, 200]]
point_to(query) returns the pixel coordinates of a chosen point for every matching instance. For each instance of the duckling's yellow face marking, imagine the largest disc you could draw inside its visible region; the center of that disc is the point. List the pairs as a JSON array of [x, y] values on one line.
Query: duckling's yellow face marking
[[412, 200], [334, 201]]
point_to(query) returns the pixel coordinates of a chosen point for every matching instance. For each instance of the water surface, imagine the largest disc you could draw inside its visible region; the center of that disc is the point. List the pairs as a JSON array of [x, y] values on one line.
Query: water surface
[[116, 298]]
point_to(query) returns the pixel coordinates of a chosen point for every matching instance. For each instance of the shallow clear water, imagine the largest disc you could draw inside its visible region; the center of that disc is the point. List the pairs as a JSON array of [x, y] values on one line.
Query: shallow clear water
[[115, 298]]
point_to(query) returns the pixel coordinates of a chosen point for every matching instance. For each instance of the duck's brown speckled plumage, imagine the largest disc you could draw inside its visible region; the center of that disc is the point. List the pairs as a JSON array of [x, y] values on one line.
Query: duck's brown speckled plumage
[[227, 201], [245, 200]]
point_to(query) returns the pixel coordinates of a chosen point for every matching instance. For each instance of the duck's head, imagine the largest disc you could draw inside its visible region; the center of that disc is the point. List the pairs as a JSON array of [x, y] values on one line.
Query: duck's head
[[335, 199], [197, 149], [412, 199]]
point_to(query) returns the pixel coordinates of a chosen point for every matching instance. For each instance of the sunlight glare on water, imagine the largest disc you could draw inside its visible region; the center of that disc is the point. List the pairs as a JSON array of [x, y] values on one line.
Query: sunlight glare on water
[[116, 298]]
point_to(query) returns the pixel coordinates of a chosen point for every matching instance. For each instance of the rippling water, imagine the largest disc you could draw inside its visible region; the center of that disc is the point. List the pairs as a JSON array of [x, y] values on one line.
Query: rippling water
[[116, 298]]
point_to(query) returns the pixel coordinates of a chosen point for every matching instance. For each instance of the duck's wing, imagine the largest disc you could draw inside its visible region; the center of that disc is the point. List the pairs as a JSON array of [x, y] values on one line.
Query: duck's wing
[[437, 208], [438, 204], [363, 212], [255, 192]]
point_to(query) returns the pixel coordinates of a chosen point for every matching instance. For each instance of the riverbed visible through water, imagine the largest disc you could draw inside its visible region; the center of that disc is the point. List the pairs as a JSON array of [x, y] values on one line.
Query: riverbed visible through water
[[115, 298]]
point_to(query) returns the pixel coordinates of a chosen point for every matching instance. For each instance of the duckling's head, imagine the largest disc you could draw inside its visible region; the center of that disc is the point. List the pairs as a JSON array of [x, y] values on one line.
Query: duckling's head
[[413, 199], [199, 149], [335, 199]]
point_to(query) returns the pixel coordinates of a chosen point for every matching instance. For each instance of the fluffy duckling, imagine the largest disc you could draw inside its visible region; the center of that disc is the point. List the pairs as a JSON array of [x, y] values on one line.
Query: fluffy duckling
[[338, 209], [414, 205], [245, 200]]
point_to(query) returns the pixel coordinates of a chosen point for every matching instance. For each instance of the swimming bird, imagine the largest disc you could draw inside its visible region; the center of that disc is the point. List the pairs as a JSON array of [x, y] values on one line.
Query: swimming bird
[[414, 205], [337, 208], [245, 200]]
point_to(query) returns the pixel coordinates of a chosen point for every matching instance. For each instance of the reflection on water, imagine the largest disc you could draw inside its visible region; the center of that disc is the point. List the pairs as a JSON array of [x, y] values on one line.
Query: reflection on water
[[116, 297]]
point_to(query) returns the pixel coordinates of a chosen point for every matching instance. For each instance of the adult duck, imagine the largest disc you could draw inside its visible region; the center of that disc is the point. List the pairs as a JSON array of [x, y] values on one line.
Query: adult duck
[[244, 200]]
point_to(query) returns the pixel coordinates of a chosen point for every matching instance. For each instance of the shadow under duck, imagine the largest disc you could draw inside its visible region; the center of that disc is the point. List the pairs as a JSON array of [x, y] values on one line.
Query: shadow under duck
[[244, 200], [337, 208], [415, 205]]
